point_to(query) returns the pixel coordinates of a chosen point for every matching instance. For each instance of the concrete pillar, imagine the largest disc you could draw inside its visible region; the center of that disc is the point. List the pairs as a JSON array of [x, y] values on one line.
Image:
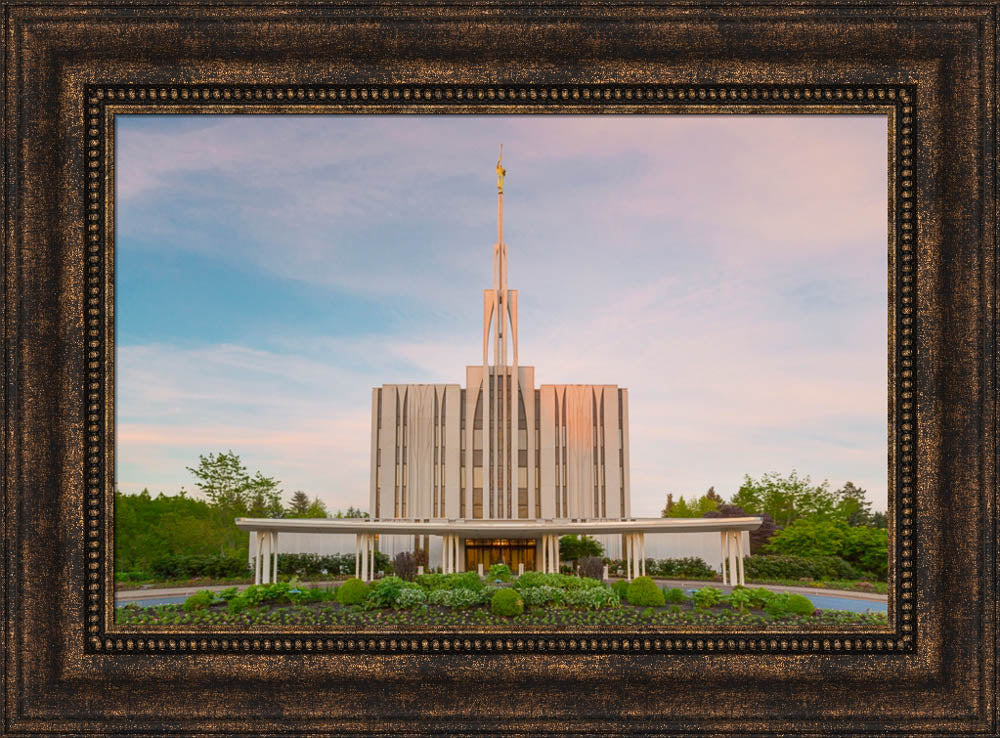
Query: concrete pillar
[[741, 579], [275, 541], [628, 557], [257, 543], [555, 545], [722, 536], [480, 569], [642, 554], [604, 574], [520, 568], [733, 578]]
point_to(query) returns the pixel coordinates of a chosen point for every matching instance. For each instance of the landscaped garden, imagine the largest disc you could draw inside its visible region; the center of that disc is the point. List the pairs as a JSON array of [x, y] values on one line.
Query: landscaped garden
[[530, 602]]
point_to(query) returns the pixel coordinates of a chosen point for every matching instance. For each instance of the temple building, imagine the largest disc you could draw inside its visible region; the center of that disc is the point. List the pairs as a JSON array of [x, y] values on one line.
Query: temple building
[[500, 448], [498, 470]]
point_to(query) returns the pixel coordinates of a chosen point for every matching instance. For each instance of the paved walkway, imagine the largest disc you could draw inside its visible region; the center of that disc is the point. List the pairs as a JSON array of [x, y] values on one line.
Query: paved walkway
[[144, 594]]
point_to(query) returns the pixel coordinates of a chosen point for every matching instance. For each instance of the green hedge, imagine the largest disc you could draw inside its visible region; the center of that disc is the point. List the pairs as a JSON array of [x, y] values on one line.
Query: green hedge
[[180, 566], [766, 566]]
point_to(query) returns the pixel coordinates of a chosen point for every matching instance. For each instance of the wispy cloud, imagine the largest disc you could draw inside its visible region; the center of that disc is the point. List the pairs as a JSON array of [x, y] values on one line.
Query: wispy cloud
[[731, 272]]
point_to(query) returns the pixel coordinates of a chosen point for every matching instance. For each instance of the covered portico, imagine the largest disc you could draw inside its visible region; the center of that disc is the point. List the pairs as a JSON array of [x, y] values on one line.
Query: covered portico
[[453, 533]]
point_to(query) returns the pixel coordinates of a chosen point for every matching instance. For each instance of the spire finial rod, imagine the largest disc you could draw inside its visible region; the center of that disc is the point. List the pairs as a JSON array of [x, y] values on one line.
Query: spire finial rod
[[500, 172]]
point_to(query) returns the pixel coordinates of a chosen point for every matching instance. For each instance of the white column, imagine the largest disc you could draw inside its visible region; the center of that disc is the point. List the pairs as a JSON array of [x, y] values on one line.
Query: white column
[[642, 554], [275, 544], [741, 579], [364, 557], [555, 545], [733, 578], [257, 543], [371, 552], [357, 555], [628, 557], [445, 545], [722, 536]]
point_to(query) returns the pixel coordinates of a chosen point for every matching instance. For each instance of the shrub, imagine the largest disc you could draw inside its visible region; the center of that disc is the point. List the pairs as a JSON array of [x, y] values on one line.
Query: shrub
[[404, 565], [674, 595], [705, 597], [463, 580], [500, 573], [238, 604], [760, 597], [185, 566], [620, 588], [690, 567], [410, 597], [798, 604], [591, 567], [385, 591], [352, 592], [592, 598], [864, 548], [537, 579], [507, 602], [536, 596], [739, 599], [199, 601], [454, 597], [771, 566], [228, 594], [643, 591]]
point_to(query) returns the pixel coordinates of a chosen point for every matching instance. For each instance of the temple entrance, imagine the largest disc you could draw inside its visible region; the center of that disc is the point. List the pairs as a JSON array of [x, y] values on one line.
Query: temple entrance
[[489, 551]]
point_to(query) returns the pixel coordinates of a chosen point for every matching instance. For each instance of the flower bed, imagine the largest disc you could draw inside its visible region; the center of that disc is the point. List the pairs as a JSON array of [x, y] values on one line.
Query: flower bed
[[549, 602]]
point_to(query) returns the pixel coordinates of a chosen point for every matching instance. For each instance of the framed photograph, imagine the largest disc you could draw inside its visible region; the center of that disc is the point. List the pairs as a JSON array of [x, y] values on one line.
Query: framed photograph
[[365, 364]]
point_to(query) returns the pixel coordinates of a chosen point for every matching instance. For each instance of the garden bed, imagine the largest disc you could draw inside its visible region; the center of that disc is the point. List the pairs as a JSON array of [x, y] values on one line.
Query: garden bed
[[534, 602]]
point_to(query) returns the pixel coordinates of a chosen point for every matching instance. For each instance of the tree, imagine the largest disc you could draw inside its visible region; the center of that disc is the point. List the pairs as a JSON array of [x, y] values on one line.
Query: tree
[[264, 497], [665, 512], [574, 548], [694, 509], [853, 505], [879, 520], [223, 479], [316, 509], [299, 504], [785, 498], [352, 512]]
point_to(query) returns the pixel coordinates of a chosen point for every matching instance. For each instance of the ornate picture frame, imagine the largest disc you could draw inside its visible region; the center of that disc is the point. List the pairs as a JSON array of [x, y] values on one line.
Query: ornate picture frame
[[69, 69]]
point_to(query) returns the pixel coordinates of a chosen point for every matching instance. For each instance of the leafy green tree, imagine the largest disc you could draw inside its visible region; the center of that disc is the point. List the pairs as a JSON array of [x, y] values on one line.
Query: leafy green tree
[[879, 520], [866, 548], [263, 496], [316, 509], [223, 480], [352, 512], [574, 548], [785, 498], [697, 508]]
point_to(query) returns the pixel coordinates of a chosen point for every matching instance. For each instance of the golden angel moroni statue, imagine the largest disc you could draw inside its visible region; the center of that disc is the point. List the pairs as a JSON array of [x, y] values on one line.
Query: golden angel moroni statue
[[500, 172]]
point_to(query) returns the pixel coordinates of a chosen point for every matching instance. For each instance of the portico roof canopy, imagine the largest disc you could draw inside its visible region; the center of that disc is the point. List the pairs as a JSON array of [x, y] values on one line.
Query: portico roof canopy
[[498, 528]]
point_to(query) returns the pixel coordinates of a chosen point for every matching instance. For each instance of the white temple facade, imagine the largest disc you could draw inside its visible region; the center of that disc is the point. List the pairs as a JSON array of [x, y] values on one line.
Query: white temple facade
[[498, 470]]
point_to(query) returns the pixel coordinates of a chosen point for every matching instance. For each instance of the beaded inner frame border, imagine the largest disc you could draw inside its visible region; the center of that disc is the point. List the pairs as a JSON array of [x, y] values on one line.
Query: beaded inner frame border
[[102, 102]]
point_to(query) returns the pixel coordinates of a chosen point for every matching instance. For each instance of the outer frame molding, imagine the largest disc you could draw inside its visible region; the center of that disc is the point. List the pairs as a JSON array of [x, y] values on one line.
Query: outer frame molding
[[69, 67]]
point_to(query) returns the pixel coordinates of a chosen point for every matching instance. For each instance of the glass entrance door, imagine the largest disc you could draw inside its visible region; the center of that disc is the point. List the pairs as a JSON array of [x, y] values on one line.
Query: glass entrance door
[[509, 551]]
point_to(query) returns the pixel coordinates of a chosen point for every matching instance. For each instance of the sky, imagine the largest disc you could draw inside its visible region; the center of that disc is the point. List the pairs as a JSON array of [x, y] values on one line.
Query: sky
[[730, 271]]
